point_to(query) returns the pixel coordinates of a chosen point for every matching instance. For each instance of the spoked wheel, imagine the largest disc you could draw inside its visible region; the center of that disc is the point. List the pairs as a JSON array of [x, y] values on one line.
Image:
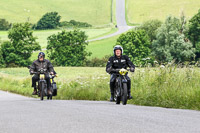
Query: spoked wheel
[[124, 94], [42, 94]]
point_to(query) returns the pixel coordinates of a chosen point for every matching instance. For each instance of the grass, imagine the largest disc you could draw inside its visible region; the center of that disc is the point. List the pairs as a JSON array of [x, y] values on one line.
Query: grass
[[95, 12], [102, 48], [43, 34], [169, 87], [139, 11]]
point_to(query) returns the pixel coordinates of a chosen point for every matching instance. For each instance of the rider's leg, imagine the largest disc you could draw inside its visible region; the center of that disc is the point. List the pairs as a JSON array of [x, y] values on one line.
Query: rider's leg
[[129, 87], [112, 86], [34, 80], [47, 78]]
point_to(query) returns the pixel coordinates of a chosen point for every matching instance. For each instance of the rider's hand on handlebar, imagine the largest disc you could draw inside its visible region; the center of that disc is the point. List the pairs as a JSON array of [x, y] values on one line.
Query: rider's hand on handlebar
[[51, 73]]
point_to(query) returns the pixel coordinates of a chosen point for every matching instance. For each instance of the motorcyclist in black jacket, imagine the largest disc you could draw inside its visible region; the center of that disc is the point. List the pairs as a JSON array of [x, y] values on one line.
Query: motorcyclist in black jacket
[[119, 61], [41, 62]]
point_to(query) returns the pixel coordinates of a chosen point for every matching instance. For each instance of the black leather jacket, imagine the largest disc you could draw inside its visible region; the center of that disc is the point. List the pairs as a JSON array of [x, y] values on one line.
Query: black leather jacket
[[118, 63], [46, 64]]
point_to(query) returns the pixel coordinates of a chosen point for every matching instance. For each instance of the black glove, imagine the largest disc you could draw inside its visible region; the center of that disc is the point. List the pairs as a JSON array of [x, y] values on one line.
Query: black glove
[[109, 70], [132, 69]]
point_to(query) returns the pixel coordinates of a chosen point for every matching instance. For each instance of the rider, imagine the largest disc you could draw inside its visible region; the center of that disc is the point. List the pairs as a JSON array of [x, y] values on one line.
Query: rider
[[119, 61], [41, 62]]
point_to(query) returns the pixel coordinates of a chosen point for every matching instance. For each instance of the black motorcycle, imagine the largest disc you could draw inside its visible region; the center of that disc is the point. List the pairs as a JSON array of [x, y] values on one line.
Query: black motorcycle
[[121, 90], [42, 84]]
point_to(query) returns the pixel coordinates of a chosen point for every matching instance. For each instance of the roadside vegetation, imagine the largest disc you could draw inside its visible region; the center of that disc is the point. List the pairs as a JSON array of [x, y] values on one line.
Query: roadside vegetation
[[170, 86]]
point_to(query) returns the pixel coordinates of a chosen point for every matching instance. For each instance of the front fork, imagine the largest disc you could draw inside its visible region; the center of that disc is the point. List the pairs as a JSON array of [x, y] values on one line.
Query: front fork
[[120, 82]]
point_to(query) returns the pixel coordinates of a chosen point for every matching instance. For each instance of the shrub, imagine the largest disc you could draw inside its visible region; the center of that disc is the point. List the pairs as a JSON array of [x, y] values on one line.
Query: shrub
[[68, 48]]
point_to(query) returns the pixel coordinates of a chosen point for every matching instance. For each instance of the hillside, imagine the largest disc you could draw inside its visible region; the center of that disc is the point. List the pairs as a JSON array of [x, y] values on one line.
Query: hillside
[[95, 12], [139, 11]]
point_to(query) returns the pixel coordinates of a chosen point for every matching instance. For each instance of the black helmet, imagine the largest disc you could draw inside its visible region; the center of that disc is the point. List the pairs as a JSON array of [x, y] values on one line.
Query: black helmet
[[117, 47], [41, 54]]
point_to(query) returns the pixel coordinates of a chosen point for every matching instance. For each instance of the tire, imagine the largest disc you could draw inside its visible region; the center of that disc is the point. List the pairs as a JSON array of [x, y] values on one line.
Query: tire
[[118, 98], [42, 91], [124, 94]]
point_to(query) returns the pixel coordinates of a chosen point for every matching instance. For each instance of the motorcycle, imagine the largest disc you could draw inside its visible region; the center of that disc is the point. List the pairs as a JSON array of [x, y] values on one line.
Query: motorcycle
[[121, 90], [42, 85]]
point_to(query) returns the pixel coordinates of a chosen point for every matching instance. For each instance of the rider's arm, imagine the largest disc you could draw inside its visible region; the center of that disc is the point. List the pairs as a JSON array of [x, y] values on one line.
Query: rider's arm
[[130, 64], [50, 67], [109, 65], [32, 67]]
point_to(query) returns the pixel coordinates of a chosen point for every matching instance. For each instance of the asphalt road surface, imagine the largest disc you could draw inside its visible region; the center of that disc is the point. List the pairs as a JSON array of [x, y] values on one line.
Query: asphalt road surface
[[19, 114], [121, 21]]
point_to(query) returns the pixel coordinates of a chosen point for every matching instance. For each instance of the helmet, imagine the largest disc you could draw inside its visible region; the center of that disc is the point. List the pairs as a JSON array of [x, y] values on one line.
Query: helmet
[[118, 47], [41, 54]]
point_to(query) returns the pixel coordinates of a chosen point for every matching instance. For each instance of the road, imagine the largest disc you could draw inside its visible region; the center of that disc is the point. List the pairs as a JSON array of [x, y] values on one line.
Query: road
[[19, 114], [121, 21]]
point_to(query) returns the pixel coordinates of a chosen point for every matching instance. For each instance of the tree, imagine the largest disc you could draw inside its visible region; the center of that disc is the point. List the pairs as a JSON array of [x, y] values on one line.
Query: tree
[[194, 32], [151, 27], [4, 25], [171, 43], [49, 21], [68, 48], [136, 45], [2, 62], [18, 50]]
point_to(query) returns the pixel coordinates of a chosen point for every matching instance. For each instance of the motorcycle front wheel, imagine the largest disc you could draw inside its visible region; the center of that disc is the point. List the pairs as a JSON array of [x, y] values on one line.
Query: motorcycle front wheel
[[124, 94]]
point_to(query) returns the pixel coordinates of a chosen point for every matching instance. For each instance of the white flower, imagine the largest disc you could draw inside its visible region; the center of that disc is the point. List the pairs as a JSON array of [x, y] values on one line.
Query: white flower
[[162, 66]]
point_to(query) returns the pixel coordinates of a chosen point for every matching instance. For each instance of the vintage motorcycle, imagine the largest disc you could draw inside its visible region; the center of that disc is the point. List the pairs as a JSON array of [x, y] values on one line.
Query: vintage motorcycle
[[121, 90], [42, 85]]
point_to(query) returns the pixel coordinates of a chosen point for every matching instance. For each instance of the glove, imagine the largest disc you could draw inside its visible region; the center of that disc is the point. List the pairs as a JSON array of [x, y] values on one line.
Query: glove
[[132, 69], [109, 69]]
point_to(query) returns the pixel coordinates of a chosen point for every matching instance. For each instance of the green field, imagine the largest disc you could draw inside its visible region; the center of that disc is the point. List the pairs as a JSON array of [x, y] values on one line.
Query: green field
[[139, 11], [102, 48], [169, 87], [42, 35], [95, 12]]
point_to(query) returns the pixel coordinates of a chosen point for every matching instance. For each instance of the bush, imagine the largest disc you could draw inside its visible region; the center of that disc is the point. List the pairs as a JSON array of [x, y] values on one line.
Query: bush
[[18, 50], [171, 44], [2, 62], [48, 21], [136, 45], [150, 27], [68, 48], [194, 32], [4, 25], [96, 62], [73, 23]]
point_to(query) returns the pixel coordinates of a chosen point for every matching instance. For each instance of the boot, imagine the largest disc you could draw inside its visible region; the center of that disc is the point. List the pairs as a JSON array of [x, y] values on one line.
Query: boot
[[112, 91], [129, 96], [112, 98], [34, 91]]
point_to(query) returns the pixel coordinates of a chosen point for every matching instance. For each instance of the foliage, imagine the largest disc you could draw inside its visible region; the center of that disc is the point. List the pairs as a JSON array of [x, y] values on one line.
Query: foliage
[[73, 23], [136, 45], [96, 62], [18, 50], [167, 86], [2, 62], [150, 27], [4, 25], [68, 48], [194, 32], [171, 43], [50, 20]]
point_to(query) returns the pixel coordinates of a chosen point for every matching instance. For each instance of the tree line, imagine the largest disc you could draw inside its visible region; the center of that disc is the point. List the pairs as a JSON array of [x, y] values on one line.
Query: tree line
[[50, 20], [174, 40]]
